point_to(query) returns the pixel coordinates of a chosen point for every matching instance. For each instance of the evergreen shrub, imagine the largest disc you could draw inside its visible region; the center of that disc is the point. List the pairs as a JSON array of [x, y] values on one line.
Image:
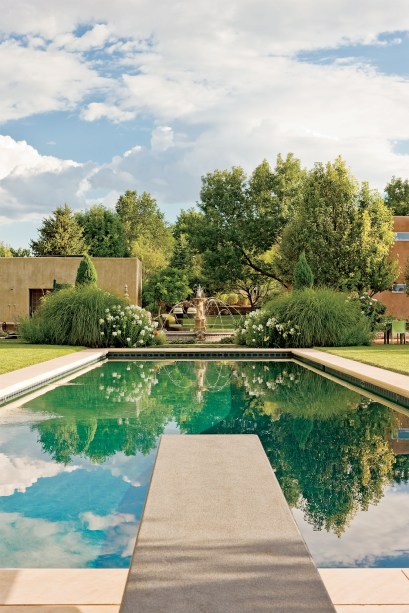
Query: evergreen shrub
[[303, 276], [86, 273]]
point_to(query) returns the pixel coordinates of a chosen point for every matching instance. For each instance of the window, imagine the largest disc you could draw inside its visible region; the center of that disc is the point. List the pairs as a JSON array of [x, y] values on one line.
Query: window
[[402, 236], [399, 288]]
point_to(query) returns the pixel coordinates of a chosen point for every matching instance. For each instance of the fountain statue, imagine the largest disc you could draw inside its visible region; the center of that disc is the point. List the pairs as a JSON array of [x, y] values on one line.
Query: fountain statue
[[200, 318]]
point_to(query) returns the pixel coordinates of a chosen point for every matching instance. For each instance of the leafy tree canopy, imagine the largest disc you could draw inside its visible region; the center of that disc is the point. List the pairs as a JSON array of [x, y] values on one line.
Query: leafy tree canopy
[[240, 219], [164, 288], [397, 196], [5, 250], [60, 234], [148, 235], [344, 229], [20, 252], [103, 232]]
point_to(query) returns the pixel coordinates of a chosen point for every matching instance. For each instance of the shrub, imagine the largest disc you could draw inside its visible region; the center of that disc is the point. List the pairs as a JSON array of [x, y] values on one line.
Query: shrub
[[70, 317], [303, 276], [322, 318], [371, 308], [126, 326], [261, 329], [227, 340], [86, 273]]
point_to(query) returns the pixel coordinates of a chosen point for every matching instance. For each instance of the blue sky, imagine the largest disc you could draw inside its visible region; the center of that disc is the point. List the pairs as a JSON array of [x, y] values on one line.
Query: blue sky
[[102, 97]]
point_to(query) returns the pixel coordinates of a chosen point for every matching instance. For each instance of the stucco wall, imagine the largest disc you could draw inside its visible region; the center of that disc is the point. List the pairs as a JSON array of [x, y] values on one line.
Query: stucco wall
[[398, 304], [19, 275]]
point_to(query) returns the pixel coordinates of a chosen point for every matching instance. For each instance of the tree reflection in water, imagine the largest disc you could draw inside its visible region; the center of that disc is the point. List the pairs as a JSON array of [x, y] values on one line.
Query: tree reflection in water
[[328, 444]]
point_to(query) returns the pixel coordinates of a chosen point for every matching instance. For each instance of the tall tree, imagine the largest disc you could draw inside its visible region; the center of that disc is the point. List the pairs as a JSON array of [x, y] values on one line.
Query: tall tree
[[397, 196], [243, 218], [378, 271], [148, 235], [60, 234], [104, 232], [344, 229]]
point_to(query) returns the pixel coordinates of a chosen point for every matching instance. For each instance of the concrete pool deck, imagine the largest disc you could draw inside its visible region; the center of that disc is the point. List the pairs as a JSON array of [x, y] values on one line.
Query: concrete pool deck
[[26, 590]]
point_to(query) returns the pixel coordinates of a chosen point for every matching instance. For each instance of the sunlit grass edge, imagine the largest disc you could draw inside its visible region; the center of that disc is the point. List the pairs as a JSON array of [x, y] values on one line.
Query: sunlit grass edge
[[19, 354], [390, 357]]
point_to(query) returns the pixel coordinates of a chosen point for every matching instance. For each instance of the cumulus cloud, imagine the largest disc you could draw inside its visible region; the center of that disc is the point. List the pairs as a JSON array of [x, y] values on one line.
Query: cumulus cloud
[[375, 534], [18, 159], [36, 80], [222, 85], [39, 543], [162, 138], [120, 530], [19, 473]]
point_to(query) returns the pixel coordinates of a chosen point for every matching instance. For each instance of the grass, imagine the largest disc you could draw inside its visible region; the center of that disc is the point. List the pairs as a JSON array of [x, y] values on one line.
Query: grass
[[391, 357], [15, 354]]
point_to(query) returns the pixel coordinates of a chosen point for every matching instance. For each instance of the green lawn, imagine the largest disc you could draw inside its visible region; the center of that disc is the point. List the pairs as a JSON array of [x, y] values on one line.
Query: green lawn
[[16, 354], [391, 357]]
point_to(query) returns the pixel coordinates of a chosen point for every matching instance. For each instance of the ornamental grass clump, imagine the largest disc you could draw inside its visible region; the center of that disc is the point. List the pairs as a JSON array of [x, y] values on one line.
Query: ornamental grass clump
[[70, 317], [307, 318], [126, 326]]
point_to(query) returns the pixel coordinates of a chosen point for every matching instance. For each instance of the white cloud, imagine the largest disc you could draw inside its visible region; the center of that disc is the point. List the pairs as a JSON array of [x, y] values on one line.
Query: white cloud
[[120, 529], [18, 159], [162, 138], [377, 533], [221, 84], [103, 522], [19, 473], [35, 80], [38, 543], [97, 110]]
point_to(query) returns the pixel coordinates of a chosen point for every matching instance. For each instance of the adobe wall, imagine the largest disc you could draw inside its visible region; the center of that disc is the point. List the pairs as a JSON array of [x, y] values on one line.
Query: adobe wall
[[19, 275]]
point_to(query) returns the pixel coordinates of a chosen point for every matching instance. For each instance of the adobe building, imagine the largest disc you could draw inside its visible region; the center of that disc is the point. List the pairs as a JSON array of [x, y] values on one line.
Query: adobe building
[[396, 299], [23, 281]]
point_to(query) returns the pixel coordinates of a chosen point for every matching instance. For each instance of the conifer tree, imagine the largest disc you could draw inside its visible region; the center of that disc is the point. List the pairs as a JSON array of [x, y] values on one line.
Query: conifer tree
[[60, 234], [303, 276], [86, 273]]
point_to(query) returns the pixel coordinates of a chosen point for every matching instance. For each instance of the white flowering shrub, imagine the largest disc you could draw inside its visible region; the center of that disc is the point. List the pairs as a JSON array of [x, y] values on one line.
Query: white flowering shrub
[[260, 329], [137, 382], [371, 308], [127, 326], [260, 379]]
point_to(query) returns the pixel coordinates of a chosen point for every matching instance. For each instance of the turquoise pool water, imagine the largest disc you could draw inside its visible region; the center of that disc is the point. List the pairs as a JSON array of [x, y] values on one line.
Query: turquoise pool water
[[77, 460]]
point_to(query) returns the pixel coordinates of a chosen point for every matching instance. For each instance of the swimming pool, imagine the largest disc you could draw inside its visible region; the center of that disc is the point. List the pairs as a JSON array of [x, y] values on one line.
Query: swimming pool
[[76, 461]]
